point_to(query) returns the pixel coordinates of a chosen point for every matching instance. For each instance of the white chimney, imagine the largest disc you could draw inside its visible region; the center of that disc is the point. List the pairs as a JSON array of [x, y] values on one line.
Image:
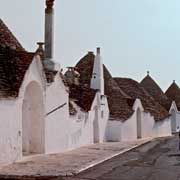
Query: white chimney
[[97, 80], [49, 34]]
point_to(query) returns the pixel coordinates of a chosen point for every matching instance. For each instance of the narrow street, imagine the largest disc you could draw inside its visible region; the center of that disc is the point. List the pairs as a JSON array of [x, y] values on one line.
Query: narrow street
[[158, 160]]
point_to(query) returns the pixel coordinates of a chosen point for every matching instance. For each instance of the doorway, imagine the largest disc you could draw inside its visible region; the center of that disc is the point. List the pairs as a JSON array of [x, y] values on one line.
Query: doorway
[[173, 121], [33, 120], [139, 124]]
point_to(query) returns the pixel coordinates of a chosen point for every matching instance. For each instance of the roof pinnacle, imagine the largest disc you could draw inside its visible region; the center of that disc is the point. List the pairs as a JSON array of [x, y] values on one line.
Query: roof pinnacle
[[49, 4]]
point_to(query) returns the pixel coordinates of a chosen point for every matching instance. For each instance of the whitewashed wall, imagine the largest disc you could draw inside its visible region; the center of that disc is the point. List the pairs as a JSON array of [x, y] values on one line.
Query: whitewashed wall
[[113, 130], [101, 116], [162, 128], [81, 128], [59, 131], [152, 128], [10, 131], [84, 130], [32, 93], [11, 116], [57, 123], [129, 130], [118, 130], [148, 124], [104, 111], [175, 118], [178, 121]]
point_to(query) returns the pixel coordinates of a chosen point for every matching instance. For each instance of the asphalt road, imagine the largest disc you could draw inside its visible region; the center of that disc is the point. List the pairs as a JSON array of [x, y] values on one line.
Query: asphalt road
[[158, 160]]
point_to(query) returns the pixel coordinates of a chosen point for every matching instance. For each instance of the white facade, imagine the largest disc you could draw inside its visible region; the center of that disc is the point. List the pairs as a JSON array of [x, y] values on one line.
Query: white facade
[[140, 125], [57, 123], [13, 129], [175, 118], [89, 127], [38, 120]]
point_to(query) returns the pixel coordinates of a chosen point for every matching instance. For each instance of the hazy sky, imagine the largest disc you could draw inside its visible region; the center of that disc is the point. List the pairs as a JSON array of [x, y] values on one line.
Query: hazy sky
[[135, 35]]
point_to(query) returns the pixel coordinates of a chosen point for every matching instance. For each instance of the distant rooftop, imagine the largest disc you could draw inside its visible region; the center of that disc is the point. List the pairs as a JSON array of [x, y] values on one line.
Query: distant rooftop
[[135, 90], [173, 93], [155, 91]]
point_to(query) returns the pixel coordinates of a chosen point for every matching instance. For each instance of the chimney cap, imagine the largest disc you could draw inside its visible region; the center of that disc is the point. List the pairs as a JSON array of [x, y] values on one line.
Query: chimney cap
[[98, 50], [174, 81], [90, 52], [148, 73], [40, 43], [70, 67], [49, 4]]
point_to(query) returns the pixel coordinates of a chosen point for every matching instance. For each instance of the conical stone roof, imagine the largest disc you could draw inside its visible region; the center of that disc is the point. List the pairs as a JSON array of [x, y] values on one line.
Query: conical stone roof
[[135, 90], [7, 39], [155, 91], [14, 62], [120, 104], [13, 66], [173, 93]]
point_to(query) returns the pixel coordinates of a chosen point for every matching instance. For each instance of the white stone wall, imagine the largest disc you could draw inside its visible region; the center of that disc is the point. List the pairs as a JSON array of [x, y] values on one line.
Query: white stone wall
[[113, 131], [57, 123], [129, 129], [118, 130], [33, 120], [178, 121], [104, 117], [162, 128], [175, 118], [60, 131], [152, 128], [101, 116], [81, 129], [10, 131], [148, 125], [11, 116]]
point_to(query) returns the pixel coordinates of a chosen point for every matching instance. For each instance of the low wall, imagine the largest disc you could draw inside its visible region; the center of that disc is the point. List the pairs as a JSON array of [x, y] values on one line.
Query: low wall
[[81, 129], [10, 131]]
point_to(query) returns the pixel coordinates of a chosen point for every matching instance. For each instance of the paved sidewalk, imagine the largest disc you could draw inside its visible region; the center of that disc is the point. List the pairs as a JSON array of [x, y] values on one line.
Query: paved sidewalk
[[68, 163]]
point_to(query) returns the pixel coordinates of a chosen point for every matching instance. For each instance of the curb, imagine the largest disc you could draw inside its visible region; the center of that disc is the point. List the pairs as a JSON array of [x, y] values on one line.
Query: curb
[[113, 156]]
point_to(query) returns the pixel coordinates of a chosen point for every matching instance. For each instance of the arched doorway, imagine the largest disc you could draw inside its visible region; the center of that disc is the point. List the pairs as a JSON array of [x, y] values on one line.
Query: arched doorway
[[33, 120], [139, 124], [173, 120], [96, 126]]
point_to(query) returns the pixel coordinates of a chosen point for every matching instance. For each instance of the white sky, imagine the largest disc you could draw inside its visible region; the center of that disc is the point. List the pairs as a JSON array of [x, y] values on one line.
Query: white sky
[[135, 35]]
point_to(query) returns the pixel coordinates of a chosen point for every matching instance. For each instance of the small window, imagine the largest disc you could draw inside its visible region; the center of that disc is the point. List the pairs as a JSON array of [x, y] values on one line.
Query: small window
[[94, 77]]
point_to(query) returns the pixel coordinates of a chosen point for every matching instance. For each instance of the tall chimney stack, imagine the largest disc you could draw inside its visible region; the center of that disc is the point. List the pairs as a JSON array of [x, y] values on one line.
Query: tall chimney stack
[[49, 34], [97, 79]]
